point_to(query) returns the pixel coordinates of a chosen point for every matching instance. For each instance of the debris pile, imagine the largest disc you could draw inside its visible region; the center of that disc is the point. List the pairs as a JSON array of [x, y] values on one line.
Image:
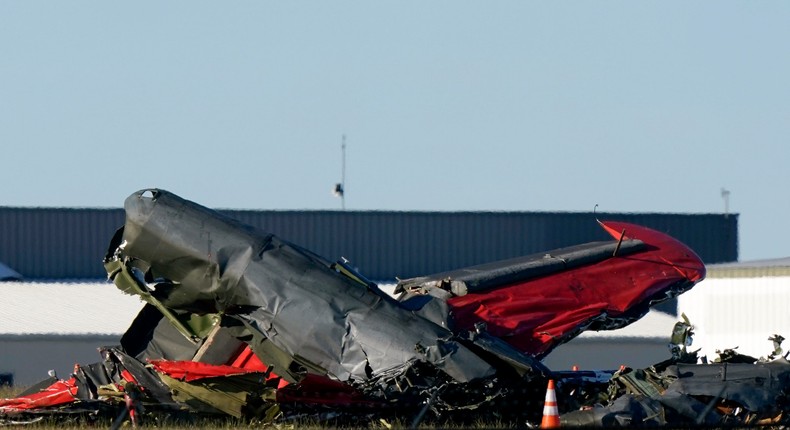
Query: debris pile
[[241, 323], [733, 390]]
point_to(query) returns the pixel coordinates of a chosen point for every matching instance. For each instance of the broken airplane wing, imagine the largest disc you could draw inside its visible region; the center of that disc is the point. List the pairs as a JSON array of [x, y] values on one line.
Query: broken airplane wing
[[288, 329]]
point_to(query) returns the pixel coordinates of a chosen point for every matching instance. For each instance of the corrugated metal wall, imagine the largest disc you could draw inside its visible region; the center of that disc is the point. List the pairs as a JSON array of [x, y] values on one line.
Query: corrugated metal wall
[[44, 243], [57, 243]]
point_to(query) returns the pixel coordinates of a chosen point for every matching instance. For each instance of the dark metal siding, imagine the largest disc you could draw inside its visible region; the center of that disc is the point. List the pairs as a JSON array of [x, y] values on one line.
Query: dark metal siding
[[70, 243], [57, 243]]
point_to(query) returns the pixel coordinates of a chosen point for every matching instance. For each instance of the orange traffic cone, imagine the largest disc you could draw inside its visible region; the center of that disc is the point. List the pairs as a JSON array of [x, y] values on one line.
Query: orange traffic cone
[[551, 415]]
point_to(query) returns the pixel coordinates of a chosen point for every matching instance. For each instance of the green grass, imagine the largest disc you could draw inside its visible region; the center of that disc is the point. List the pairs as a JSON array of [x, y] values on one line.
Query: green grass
[[48, 423], [236, 424]]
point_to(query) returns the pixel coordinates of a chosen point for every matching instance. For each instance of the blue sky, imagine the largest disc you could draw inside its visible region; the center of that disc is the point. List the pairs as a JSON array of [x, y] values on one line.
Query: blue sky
[[446, 105]]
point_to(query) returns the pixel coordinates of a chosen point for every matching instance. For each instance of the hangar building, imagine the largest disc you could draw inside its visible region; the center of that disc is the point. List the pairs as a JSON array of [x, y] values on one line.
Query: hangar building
[[63, 309]]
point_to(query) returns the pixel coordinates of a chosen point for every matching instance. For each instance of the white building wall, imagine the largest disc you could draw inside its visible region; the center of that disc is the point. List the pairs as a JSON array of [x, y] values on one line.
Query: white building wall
[[640, 344], [28, 358], [608, 353], [54, 325], [738, 312]]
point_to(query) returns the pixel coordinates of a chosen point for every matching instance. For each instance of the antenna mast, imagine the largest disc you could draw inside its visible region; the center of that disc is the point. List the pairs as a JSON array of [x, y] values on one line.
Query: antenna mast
[[725, 194], [340, 188]]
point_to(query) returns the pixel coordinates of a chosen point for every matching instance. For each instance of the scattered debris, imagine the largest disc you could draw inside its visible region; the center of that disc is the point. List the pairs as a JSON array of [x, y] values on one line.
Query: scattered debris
[[733, 390], [241, 323]]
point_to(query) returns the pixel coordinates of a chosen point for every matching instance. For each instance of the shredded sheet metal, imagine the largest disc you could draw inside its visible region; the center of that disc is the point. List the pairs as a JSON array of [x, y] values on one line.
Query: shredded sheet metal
[[282, 293], [240, 322]]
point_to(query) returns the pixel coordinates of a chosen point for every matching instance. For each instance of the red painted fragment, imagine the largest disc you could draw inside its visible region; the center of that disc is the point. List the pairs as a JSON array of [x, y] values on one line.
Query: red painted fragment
[[537, 315], [193, 370], [126, 375], [320, 390], [248, 360], [59, 393]]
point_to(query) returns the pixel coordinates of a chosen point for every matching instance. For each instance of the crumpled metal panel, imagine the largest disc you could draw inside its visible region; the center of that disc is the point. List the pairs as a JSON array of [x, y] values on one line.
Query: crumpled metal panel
[[686, 394], [282, 293], [483, 277], [630, 411], [757, 386]]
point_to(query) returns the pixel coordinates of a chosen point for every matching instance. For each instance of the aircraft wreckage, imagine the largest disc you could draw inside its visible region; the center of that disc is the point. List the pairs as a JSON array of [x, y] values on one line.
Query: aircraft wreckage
[[241, 323]]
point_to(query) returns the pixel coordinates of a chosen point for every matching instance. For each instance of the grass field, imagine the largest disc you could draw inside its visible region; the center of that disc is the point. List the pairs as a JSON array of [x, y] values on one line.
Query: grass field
[[218, 424]]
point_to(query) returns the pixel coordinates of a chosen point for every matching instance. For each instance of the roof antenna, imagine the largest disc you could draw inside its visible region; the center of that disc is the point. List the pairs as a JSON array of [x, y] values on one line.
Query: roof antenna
[[340, 188], [725, 194], [595, 208]]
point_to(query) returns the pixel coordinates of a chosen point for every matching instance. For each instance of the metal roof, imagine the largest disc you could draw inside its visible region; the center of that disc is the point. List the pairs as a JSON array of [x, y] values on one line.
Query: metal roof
[[65, 308]]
